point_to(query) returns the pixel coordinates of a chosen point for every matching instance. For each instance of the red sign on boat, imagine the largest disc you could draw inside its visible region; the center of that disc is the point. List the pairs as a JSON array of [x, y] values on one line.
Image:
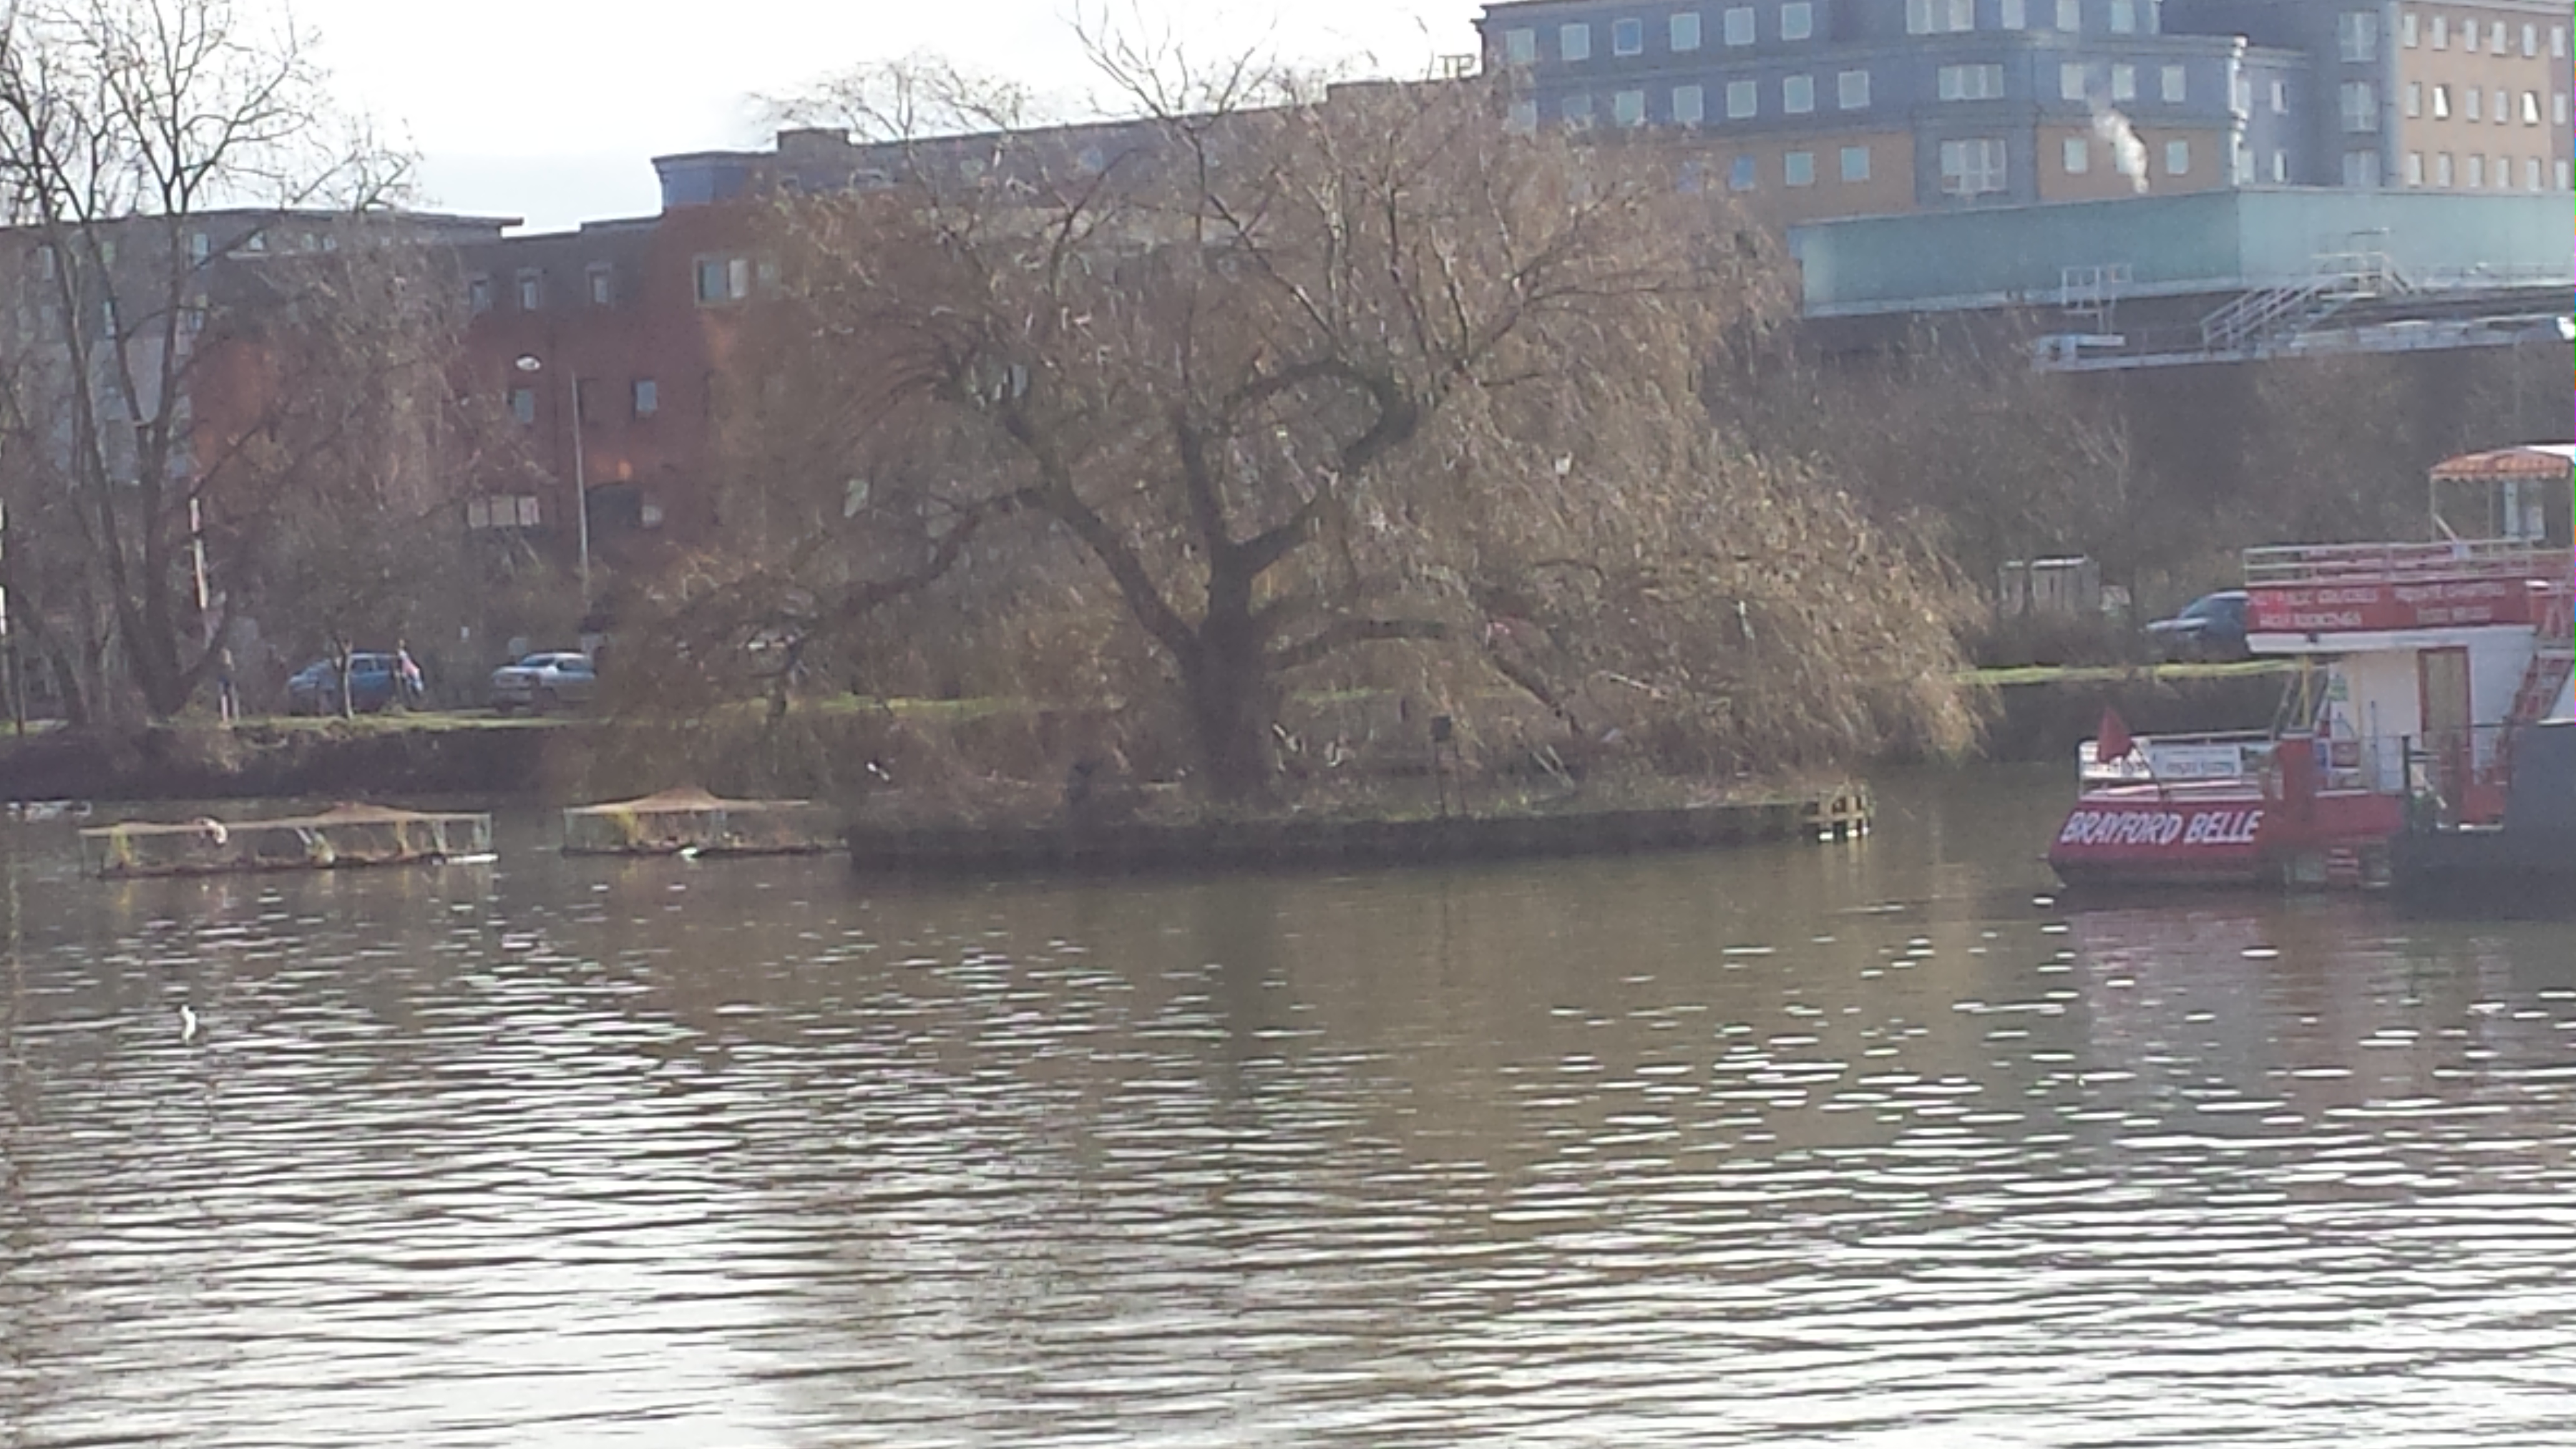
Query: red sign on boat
[[2147, 836], [2374, 607]]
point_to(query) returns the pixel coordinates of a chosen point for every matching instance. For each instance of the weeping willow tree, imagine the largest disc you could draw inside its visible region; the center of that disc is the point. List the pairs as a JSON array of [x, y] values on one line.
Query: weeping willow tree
[[1291, 374]]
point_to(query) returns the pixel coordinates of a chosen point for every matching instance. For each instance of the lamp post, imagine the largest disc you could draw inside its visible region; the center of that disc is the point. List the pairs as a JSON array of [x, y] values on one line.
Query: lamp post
[[580, 479]]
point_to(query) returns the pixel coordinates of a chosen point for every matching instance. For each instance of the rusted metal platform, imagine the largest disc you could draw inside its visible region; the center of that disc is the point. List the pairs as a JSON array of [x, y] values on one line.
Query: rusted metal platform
[[693, 822], [341, 838]]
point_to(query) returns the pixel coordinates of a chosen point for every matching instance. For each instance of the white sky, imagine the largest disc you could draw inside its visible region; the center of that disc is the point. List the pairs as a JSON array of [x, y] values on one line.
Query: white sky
[[552, 109]]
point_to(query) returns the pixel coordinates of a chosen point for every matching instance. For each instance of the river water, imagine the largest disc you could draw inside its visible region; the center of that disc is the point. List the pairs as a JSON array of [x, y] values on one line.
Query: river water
[[1855, 1145]]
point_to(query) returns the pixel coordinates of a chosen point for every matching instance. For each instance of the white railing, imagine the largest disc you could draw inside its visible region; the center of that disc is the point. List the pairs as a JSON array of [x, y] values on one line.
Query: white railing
[[2403, 562], [2179, 759]]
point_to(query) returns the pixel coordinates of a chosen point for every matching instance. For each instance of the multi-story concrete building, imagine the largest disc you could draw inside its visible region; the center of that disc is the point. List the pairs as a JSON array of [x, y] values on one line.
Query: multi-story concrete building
[[1825, 108]]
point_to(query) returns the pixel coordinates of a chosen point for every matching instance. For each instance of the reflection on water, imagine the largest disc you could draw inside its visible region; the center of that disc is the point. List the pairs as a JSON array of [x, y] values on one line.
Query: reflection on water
[[1867, 1145]]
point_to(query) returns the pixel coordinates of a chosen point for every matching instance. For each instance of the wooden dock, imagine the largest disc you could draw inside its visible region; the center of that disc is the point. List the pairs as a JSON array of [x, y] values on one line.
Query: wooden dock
[[693, 822], [1840, 813], [337, 839]]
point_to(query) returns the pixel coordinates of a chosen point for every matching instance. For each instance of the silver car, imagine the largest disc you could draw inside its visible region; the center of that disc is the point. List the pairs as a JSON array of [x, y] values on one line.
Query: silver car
[[542, 683]]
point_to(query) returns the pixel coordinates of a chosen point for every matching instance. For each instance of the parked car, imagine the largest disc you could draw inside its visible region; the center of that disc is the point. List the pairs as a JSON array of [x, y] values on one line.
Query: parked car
[[374, 684], [2209, 627], [542, 683]]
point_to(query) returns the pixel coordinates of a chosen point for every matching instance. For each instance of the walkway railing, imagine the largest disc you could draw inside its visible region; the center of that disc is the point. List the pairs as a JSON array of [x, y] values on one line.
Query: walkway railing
[[2360, 563]]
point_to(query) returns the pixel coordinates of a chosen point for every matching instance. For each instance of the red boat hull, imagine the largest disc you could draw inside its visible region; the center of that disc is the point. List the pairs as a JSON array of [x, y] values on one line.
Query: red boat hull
[[2225, 835]]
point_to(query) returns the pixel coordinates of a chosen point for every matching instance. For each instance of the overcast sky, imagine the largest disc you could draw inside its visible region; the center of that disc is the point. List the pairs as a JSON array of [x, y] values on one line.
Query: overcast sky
[[552, 109]]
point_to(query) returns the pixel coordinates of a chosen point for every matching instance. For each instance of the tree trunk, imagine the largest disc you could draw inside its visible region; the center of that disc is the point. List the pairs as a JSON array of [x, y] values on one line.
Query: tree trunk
[[1230, 697]]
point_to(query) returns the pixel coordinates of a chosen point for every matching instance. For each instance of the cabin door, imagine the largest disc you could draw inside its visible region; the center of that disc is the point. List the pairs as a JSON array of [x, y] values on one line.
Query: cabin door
[[2442, 676]]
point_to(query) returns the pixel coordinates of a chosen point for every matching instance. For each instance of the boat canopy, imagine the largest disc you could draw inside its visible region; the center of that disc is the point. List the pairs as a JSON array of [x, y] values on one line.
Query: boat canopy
[[2531, 460]]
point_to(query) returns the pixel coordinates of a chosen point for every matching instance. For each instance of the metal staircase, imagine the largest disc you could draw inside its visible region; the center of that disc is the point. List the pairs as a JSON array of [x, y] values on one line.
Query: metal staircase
[[2552, 664], [2260, 322]]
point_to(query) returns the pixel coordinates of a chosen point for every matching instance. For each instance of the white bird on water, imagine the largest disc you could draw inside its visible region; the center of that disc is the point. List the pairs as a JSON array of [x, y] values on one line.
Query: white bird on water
[[187, 1024]]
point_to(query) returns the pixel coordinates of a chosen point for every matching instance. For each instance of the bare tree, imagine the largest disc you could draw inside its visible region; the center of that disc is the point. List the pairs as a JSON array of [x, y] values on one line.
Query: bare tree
[[1302, 371], [217, 320]]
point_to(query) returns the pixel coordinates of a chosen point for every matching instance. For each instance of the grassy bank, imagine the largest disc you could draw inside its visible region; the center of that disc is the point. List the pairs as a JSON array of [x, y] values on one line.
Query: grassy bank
[[1351, 756]]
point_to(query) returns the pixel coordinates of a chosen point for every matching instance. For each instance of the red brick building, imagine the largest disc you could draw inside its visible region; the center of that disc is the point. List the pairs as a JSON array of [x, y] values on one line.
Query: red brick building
[[635, 317]]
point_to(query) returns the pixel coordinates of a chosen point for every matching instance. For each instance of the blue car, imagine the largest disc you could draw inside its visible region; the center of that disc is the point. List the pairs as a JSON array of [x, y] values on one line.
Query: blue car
[[2211, 627], [374, 684]]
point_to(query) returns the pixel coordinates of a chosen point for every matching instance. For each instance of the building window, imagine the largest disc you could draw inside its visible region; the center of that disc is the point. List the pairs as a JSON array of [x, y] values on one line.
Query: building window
[[2414, 168], [1743, 100], [2280, 168], [2077, 155], [1972, 168], [1939, 17], [2476, 100], [1797, 20], [2406, 30], [2360, 106], [1574, 42], [2531, 173], [1577, 111], [1798, 94], [2016, 15], [2477, 172], [2442, 169], [1522, 120], [2177, 158], [2442, 102], [478, 294], [532, 291], [2558, 108], [2530, 44], [1686, 31], [2175, 78], [2072, 84], [648, 397], [2070, 15], [2361, 168], [2502, 111], [2124, 17], [1851, 90], [2124, 82], [2280, 97], [2495, 39], [1740, 174], [1856, 164], [1798, 168], [523, 405], [2531, 108], [1520, 47], [2357, 34], [2558, 49], [603, 286], [1627, 37], [1628, 108], [200, 247], [723, 279], [1972, 82], [2562, 174], [1739, 25], [1690, 105], [2244, 163], [2441, 32]]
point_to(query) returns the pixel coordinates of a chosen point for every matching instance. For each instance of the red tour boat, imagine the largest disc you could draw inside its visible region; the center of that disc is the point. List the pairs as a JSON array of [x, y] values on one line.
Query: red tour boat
[[2420, 664]]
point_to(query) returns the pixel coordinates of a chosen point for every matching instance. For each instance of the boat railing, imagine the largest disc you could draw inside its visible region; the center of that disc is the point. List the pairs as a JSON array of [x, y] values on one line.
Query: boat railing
[[2178, 759], [2376, 765], [2359, 563]]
